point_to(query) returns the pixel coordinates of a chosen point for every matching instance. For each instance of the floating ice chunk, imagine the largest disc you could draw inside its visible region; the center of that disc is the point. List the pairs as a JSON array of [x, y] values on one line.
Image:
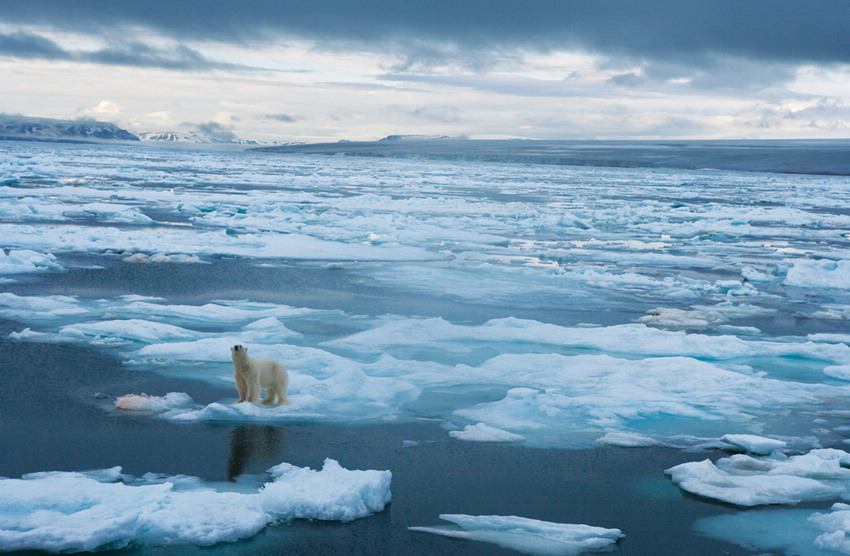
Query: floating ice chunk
[[220, 312], [117, 331], [785, 531], [564, 394], [144, 402], [836, 523], [754, 444], [40, 308], [530, 536], [627, 440], [206, 243], [64, 512], [679, 318], [748, 481], [332, 494], [841, 372], [162, 258], [822, 273], [26, 261], [107, 212], [485, 433], [28, 334], [349, 395]]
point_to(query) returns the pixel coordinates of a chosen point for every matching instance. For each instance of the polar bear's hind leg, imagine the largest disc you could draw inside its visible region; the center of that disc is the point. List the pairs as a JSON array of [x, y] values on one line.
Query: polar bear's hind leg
[[281, 395]]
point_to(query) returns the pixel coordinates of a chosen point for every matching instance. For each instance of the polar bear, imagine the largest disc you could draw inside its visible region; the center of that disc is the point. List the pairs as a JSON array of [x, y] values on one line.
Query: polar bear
[[254, 374]]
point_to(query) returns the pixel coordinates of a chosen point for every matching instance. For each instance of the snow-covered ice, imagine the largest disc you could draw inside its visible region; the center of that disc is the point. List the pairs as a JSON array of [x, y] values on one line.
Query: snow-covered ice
[[144, 402], [744, 480], [485, 433], [754, 444], [544, 305], [530, 536], [105, 509]]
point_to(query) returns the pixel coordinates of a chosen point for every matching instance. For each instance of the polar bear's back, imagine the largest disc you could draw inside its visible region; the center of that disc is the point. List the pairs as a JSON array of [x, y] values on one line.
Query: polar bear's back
[[271, 372]]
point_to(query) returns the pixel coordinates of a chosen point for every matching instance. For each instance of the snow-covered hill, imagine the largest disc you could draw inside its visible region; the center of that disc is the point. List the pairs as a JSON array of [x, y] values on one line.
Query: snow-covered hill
[[24, 128]]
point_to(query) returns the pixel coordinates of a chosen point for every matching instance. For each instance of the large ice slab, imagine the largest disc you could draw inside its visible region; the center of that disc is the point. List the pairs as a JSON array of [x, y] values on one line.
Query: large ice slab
[[77, 512], [821, 474], [24, 261], [530, 536]]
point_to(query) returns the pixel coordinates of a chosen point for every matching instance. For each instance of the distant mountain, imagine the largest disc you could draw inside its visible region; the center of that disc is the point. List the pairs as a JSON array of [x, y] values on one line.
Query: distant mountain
[[22, 128], [190, 138], [389, 138]]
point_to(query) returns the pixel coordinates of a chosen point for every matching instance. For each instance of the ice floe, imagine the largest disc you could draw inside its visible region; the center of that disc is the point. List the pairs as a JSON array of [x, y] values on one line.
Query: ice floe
[[145, 402], [105, 509], [754, 444], [547, 384], [744, 480], [485, 433], [530, 536], [822, 273], [24, 261]]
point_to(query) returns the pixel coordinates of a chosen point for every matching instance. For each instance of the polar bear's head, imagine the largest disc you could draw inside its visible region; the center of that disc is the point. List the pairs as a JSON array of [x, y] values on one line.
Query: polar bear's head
[[238, 351]]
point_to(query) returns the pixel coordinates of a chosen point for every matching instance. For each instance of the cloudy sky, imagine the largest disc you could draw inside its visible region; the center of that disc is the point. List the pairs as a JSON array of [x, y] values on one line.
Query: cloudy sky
[[316, 70]]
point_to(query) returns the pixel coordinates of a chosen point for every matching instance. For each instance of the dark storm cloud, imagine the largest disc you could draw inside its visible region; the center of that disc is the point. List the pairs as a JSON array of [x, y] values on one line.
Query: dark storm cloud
[[683, 30], [128, 53], [28, 45]]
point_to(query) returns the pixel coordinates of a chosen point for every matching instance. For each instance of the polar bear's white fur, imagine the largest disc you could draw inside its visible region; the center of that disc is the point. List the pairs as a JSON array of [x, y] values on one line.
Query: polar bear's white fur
[[255, 374]]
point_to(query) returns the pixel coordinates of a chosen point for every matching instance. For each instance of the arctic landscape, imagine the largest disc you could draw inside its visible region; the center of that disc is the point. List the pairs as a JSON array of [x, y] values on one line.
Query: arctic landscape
[[493, 347]]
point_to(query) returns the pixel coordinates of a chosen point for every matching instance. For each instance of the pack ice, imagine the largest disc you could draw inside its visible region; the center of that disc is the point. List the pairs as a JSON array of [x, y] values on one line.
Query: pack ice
[[106, 509], [530, 536]]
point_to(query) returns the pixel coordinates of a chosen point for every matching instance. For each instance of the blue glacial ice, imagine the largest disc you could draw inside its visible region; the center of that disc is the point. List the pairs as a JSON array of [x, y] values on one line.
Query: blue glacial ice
[[105, 509], [530, 536]]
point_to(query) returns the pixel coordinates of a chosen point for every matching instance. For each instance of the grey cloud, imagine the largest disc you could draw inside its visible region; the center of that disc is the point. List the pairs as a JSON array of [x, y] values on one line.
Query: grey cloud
[[779, 30], [286, 118], [28, 45], [438, 113], [130, 53], [217, 132]]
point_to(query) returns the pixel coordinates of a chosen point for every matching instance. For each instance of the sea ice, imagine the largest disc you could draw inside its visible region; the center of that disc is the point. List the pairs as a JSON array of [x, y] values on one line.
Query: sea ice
[[530, 536], [823, 273], [627, 440], [680, 318], [76, 512], [144, 402], [744, 480], [782, 531], [754, 444], [484, 433], [24, 261]]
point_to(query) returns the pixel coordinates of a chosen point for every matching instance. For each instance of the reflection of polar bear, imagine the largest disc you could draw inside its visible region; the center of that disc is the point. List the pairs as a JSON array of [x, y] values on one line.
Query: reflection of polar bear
[[254, 374]]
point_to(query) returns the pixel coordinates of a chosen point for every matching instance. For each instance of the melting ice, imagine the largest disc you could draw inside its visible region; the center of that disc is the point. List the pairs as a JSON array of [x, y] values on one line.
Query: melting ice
[[544, 305], [105, 509], [526, 535]]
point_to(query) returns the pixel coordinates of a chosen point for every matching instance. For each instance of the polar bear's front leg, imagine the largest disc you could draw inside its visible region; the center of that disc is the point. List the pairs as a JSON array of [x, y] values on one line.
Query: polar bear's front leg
[[241, 387], [254, 388]]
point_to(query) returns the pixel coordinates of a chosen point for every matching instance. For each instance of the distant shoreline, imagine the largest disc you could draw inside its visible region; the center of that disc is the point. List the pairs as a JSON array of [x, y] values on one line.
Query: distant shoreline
[[788, 156]]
